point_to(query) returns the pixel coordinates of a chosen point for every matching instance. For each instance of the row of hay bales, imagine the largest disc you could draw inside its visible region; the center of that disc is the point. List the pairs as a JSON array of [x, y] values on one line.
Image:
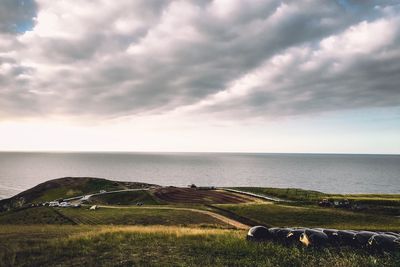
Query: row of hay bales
[[319, 237]]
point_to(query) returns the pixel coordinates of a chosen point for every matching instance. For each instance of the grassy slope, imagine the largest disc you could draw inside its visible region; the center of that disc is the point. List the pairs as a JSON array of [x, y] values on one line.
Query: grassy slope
[[77, 188], [141, 216], [384, 204], [65, 188], [108, 216], [162, 246], [311, 216], [309, 195], [42, 215], [126, 198]]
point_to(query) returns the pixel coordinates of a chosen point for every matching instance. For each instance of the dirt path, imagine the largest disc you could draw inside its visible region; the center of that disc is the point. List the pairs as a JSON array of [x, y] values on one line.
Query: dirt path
[[79, 199], [269, 198], [217, 216]]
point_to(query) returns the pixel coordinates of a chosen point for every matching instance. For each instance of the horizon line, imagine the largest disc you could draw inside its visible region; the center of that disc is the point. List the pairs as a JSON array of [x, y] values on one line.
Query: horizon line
[[188, 152]]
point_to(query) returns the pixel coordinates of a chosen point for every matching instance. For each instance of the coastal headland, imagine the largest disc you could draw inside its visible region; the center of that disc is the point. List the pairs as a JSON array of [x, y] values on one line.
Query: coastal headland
[[96, 221]]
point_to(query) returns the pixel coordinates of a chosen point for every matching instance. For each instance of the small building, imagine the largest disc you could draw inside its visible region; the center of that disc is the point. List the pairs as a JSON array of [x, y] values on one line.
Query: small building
[[206, 188]]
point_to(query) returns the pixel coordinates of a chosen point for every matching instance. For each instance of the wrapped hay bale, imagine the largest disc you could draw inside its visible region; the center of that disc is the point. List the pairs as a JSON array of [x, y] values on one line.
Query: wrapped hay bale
[[313, 238], [259, 233]]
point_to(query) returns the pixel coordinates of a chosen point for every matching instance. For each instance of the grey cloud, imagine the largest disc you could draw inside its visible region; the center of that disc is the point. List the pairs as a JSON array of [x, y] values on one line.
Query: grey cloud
[[91, 73], [369, 81], [17, 15]]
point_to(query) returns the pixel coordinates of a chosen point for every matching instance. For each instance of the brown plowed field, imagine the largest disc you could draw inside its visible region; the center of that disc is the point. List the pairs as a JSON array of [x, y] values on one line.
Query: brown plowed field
[[189, 195]]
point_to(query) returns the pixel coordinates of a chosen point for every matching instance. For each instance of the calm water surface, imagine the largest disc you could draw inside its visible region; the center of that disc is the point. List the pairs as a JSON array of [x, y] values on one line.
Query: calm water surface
[[323, 172]]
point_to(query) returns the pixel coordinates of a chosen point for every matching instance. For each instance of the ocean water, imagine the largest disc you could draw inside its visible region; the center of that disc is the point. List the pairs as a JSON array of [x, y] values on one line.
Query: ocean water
[[331, 173]]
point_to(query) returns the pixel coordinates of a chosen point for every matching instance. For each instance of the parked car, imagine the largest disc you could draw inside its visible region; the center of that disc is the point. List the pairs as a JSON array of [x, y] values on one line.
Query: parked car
[[65, 205], [344, 203], [54, 204], [325, 203]]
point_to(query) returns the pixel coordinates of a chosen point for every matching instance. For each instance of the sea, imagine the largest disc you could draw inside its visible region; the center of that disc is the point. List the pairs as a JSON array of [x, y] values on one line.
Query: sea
[[330, 173]]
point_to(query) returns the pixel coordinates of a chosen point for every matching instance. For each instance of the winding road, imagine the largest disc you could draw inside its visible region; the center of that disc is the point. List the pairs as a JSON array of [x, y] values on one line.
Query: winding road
[[86, 197]]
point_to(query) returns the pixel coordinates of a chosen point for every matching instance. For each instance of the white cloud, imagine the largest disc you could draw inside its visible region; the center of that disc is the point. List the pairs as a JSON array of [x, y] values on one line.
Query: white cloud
[[110, 59], [362, 38]]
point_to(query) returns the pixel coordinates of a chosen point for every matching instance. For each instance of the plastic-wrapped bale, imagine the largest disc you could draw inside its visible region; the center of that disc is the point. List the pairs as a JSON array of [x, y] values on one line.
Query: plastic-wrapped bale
[[293, 237], [313, 238], [393, 234], [274, 232], [333, 237], [281, 234], [259, 233], [362, 238], [384, 242], [347, 237]]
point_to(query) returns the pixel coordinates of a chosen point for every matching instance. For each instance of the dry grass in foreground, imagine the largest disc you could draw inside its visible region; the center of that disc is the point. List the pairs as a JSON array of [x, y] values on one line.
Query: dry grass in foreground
[[41, 245]]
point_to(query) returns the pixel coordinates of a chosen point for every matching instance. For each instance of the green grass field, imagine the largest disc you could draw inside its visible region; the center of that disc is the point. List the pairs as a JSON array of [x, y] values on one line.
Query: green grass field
[[42, 215], [123, 234], [141, 216], [311, 216], [310, 195], [163, 246], [110, 216]]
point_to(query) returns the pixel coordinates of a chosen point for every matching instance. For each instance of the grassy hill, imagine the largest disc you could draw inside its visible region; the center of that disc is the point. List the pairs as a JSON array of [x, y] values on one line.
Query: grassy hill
[[65, 188]]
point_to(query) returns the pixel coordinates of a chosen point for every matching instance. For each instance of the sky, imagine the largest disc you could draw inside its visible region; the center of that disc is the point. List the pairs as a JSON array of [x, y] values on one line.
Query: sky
[[300, 76]]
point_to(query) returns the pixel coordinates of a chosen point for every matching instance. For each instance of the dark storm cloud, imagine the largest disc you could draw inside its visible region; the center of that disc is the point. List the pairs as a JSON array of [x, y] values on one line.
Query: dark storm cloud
[[127, 58]]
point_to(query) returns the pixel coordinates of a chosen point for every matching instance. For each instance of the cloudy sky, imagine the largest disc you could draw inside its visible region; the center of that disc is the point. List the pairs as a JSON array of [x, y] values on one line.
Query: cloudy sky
[[223, 75]]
